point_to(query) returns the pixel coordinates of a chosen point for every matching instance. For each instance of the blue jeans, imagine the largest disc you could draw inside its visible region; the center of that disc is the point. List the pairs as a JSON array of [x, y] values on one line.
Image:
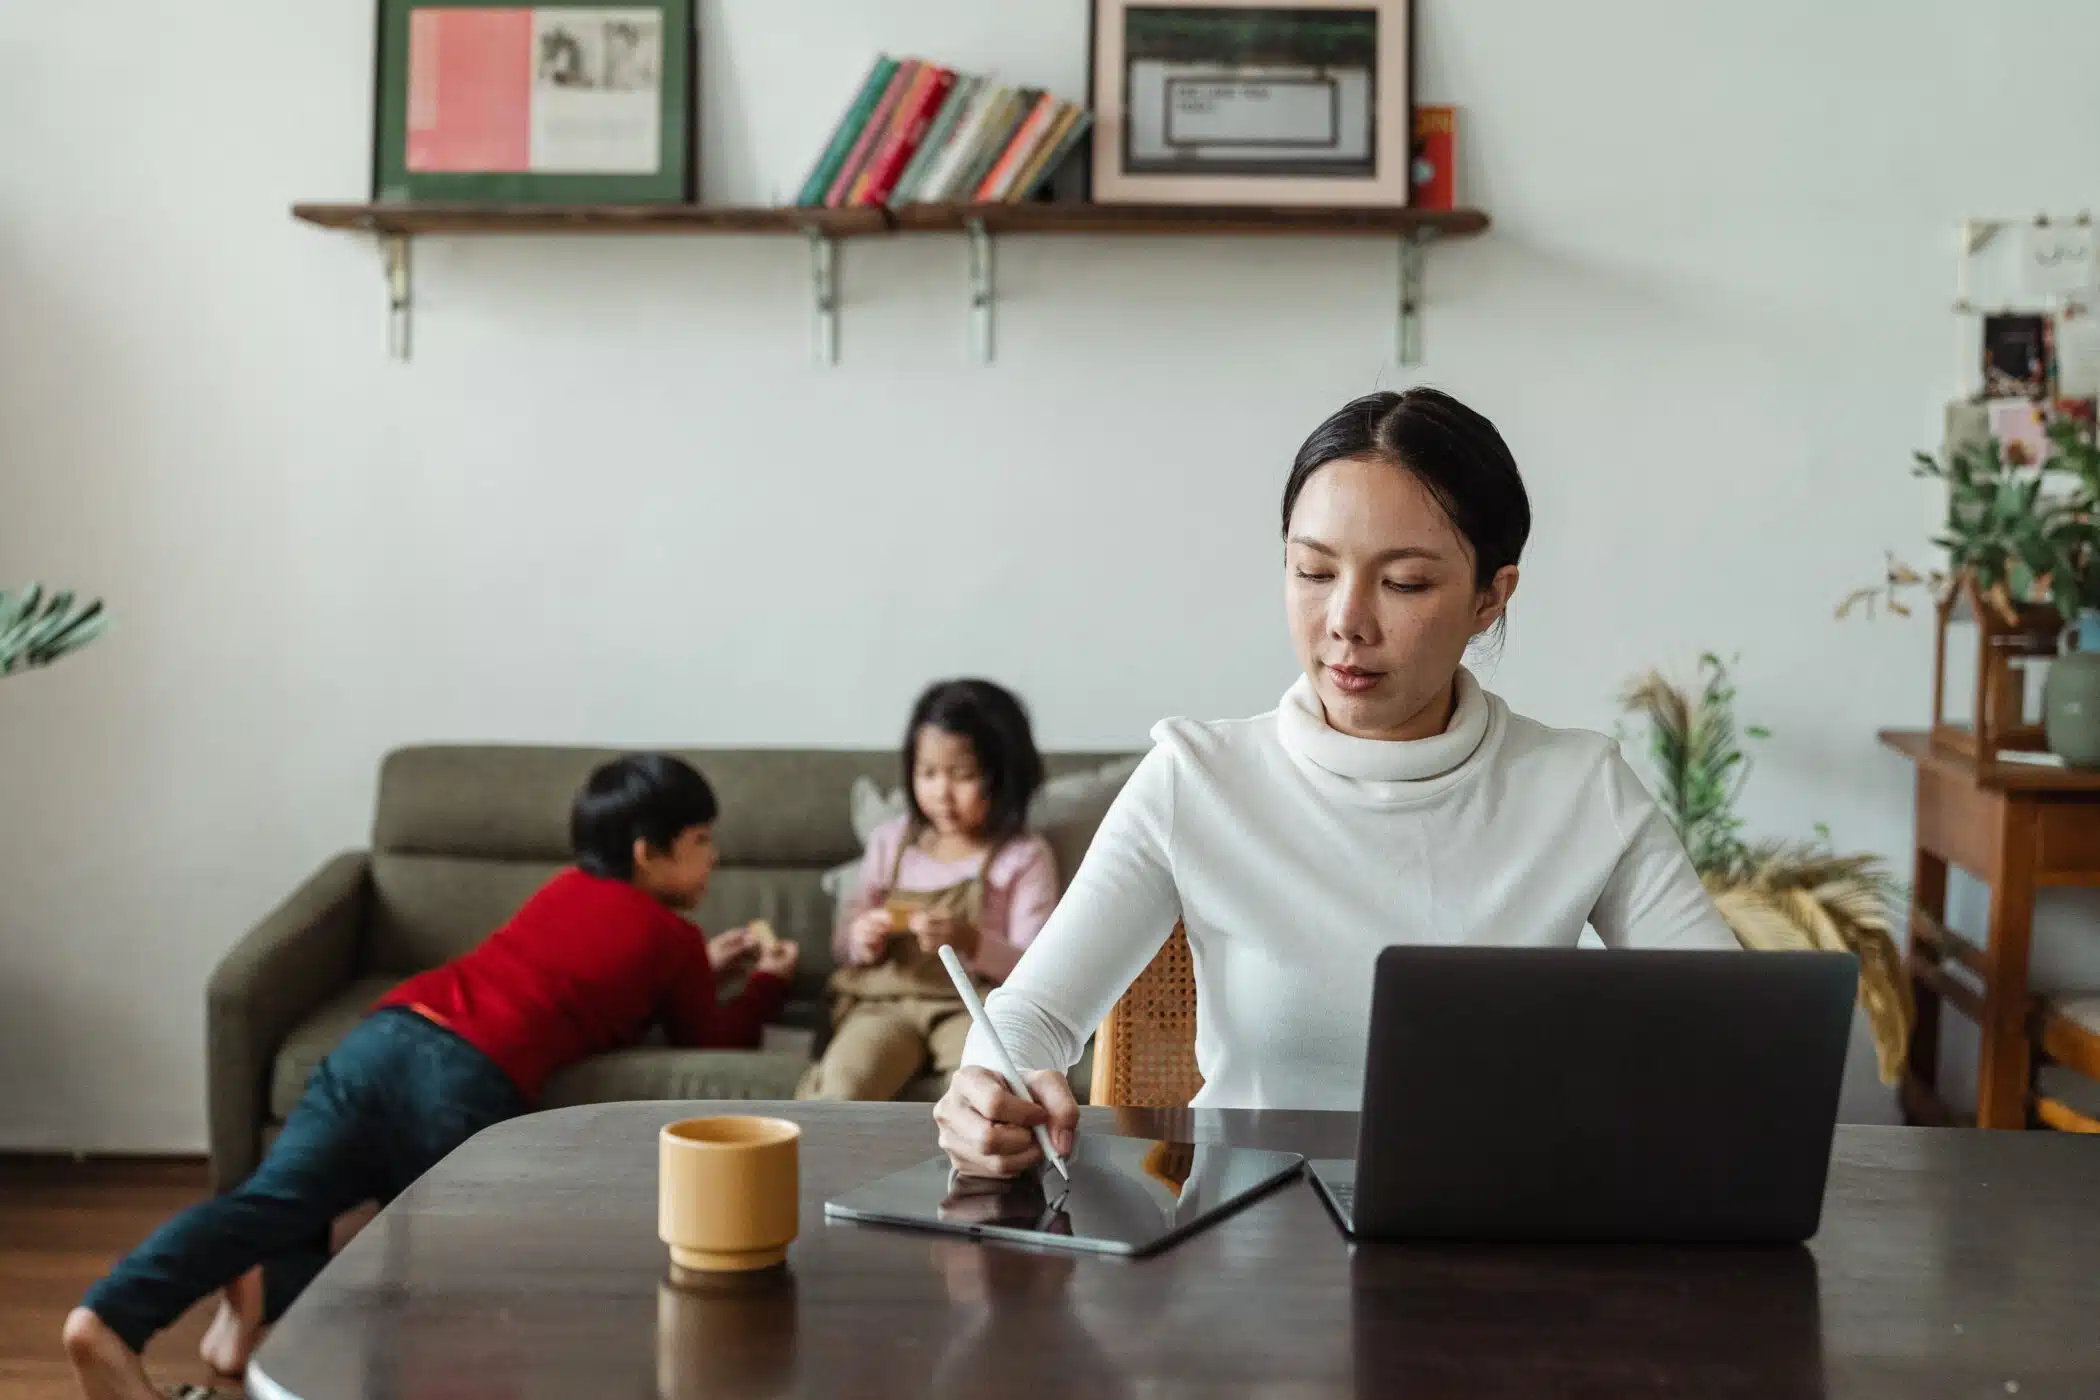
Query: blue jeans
[[393, 1099]]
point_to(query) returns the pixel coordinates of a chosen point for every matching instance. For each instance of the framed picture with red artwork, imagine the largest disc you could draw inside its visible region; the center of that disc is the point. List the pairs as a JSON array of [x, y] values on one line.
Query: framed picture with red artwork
[[584, 102]]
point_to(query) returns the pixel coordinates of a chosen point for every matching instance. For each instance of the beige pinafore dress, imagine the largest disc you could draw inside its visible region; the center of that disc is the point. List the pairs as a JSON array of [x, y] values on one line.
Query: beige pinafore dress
[[901, 1014], [906, 970]]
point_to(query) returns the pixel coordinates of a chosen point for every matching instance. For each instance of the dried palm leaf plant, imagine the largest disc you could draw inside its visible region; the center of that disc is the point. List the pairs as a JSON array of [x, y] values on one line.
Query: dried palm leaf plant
[[1775, 895]]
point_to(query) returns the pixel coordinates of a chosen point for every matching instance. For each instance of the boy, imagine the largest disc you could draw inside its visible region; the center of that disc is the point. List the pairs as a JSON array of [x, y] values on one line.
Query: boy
[[584, 966]]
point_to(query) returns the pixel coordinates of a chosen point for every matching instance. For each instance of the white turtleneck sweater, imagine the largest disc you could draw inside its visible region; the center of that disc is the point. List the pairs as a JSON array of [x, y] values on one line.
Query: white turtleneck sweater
[[1293, 853]]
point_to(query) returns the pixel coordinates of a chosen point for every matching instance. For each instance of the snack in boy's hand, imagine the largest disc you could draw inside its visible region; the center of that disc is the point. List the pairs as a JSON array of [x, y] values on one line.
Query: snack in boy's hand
[[763, 939]]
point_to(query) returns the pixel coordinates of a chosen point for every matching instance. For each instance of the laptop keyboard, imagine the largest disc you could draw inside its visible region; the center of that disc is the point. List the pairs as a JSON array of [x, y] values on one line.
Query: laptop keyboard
[[1344, 1193]]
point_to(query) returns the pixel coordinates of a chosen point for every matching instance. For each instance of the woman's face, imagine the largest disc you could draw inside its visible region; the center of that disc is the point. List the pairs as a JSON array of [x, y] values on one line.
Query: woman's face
[[1380, 589]]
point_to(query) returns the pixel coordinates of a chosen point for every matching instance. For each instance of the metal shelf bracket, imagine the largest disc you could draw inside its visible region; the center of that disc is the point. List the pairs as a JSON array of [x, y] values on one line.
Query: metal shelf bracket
[[1412, 249], [400, 293], [824, 292], [984, 290]]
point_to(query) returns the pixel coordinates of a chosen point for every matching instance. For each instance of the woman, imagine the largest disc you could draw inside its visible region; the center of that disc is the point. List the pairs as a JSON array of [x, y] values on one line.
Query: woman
[[1388, 799]]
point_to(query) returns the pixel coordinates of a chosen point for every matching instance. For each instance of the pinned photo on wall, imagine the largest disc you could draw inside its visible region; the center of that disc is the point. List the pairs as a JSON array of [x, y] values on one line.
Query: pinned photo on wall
[[2017, 424], [2078, 354], [2056, 258], [2016, 356]]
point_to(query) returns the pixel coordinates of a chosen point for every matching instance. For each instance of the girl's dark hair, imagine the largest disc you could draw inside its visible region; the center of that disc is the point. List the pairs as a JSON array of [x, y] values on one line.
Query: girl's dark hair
[[1450, 449], [649, 797], [995, 723]]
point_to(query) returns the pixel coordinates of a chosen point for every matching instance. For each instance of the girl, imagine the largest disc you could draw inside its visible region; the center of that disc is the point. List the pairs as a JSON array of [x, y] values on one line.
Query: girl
[[956, 869], [1387, 799]]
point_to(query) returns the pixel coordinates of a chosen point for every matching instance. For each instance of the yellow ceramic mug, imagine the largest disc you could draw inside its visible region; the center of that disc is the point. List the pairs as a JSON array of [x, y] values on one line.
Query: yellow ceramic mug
[[727, 1192]]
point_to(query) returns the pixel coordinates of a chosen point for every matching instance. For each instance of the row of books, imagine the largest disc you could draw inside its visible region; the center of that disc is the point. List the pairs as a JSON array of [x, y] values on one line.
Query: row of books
[[918, 133]]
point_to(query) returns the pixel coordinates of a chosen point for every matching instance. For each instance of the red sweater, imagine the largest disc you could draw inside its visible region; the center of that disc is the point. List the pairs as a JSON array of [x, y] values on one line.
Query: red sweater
[[584, 967]]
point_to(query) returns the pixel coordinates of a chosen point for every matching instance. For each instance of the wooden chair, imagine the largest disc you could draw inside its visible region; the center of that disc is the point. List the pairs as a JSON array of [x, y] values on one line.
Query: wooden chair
[[2066, 1092], [1145, 1052]]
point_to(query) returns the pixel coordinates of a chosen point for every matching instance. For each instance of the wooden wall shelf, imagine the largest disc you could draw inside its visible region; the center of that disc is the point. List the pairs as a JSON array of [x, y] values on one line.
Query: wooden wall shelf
[[1185, 221], [410, 219], [396, 225], [1177, 220]]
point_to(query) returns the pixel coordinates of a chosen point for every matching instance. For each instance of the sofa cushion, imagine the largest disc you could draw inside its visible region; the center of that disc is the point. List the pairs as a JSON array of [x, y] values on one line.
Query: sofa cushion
[[312, 1039], [511, 802], [427, 908], [1067, 811], [791, 899], [645, 1072], [465, 833], [659, 1072]]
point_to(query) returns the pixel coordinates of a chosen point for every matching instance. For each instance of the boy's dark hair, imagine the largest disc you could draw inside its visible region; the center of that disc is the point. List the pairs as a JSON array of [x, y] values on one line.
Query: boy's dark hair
[[640, 797], [995, 722]]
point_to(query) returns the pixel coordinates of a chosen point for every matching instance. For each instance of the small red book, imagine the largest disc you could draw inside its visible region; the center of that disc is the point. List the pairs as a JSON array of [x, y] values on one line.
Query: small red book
[[1435, 173]]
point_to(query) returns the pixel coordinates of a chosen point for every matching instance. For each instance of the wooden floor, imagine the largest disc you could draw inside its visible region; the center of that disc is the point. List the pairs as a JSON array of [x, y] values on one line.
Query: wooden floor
[[62, 1224]]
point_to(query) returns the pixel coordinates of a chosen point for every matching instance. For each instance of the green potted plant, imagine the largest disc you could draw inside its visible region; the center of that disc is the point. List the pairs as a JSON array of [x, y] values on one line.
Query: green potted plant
[[1774, 895], [2022, 539], [2071, 695], [36, 628]]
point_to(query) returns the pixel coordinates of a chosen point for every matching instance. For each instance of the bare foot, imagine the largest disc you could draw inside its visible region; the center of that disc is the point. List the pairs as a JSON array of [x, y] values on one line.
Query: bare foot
[[237, 1328], [106, 1368]]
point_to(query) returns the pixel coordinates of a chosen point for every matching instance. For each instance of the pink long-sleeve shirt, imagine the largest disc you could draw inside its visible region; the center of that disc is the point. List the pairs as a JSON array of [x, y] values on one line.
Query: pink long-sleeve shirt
[[1020, 892]]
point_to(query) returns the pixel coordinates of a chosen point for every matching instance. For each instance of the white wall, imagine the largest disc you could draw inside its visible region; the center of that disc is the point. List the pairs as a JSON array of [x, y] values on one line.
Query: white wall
[[612, 500]]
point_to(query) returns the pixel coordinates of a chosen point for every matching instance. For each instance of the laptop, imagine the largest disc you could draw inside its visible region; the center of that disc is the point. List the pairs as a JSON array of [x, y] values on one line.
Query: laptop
[[1543, 1095]]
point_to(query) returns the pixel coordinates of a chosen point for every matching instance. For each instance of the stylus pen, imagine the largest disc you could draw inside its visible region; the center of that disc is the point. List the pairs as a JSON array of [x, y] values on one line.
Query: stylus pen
[[1001, 1061]]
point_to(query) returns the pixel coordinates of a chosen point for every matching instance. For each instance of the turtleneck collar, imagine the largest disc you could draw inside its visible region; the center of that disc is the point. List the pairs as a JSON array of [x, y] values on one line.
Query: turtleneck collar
[[1302, 726]]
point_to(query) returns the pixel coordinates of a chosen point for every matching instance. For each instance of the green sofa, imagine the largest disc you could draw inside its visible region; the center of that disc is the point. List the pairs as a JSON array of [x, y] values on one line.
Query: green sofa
[[461, 836]]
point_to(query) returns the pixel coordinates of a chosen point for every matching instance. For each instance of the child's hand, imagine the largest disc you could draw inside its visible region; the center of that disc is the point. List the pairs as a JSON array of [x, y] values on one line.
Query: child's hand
[[936, 928], [729, 951], [866, 936], [780, 958]]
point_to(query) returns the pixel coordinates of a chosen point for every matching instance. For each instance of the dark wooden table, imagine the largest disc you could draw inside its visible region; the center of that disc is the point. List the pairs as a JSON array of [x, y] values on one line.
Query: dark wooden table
[[1951, 1263]]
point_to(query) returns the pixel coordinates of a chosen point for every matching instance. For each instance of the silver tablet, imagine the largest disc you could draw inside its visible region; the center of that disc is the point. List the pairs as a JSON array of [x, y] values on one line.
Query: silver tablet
[[1126, 1195]]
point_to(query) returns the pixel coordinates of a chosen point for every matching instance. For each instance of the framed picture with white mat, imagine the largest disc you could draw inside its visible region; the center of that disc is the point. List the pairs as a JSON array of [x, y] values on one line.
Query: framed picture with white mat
[[1253, 102]]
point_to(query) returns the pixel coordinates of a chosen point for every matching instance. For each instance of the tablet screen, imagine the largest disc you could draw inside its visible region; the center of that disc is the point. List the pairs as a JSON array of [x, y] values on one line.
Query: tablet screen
[[1125, 1196]]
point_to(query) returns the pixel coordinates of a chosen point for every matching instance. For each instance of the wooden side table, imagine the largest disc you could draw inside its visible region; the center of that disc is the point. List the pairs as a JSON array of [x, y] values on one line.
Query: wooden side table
[[2017, 827]]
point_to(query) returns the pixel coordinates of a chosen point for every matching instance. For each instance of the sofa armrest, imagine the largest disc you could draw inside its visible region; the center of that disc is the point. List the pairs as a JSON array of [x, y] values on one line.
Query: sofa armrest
[[265, 985]]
